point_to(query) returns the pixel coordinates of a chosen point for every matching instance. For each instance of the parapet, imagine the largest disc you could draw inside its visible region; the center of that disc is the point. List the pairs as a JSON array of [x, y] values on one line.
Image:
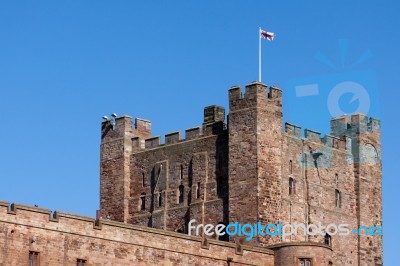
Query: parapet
[[44, 229], [142, 126], [152, 142], [274, 93], [217, 128], [193, 133], [255, 92], [341, 143], [311, 134], [354, 124], [122, 127], [335, 142], [213, 124], [213, 114], [328, 141], [123, 123], [173, 137], [293, 130]]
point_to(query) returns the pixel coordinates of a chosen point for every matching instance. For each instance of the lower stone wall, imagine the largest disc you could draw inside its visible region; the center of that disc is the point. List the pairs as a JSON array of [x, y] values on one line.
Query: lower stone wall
[[63, 238]]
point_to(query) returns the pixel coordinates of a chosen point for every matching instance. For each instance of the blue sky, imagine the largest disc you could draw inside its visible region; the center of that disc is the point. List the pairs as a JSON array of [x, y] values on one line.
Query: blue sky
[[63, 65]]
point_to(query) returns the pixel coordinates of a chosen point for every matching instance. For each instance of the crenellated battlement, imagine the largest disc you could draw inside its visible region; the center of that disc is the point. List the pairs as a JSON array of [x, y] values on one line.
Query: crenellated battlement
[[312, 134], [152, 142], [122, 127], [354, 124], [193, 133], [293, 130], [173, 137], [341, 143], [140, 134], [342, 130], [206, 130], [254, 93]]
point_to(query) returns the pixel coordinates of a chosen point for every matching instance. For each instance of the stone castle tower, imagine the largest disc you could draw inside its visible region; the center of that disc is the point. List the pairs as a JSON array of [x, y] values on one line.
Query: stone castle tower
[[249, 170]]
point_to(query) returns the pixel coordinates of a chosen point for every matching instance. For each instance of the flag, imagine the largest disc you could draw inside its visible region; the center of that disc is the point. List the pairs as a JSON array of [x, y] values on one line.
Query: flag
[[267, 35]]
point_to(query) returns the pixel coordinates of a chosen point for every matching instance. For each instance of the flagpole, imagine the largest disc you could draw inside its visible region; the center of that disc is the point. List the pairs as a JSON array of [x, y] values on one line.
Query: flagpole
[[259, 54]]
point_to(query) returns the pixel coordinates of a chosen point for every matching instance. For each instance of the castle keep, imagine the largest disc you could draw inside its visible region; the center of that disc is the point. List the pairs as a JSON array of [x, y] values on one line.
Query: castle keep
[[237, 168]]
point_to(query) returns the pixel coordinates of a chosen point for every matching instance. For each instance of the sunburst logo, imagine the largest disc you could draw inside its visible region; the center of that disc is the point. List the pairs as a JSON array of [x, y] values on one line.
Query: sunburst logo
[[343, 91], [358, 92], [347, 89]]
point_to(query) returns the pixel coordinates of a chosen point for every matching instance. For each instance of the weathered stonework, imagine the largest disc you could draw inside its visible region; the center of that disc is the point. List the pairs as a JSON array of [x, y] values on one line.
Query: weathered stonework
[[241, 171], [244, 170], [65, 238]]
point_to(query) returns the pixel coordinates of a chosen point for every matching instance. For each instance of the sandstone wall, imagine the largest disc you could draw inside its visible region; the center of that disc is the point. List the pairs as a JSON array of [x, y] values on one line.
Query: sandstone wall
[[66, 237]]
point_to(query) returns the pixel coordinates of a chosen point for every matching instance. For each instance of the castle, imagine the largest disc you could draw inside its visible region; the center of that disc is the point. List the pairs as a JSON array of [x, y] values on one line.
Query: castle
[[243, 168]]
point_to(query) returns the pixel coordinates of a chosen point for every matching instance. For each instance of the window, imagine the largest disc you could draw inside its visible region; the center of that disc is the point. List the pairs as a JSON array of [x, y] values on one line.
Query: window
[[327, 239], [336, 180], [33, 258], [292, 186], [338, 199], [143, 180], [181, 172], [220, 189], [160, 200], [181, 192], [198, 191], [305, 262], [220, 163], [224, 237], [80, 262], [290, 167], [143, 201], [160, 169]]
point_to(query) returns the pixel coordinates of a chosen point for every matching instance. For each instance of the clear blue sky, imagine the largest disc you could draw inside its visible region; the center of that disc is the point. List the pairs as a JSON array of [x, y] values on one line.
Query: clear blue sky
[[65, 64]]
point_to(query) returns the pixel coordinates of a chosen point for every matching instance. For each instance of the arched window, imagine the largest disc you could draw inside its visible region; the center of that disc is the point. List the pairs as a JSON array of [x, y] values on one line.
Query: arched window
[[290, 167], [143, 201], [327, 239], [181, 193], [292, 186], [198, 191], [143, 180], [338, 199], [336, 180]]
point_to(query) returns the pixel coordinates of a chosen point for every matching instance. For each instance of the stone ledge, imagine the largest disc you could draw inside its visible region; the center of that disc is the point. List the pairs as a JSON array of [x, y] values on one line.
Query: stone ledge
[[99, 225], [14, 207], [59, 214], [288, 244]]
